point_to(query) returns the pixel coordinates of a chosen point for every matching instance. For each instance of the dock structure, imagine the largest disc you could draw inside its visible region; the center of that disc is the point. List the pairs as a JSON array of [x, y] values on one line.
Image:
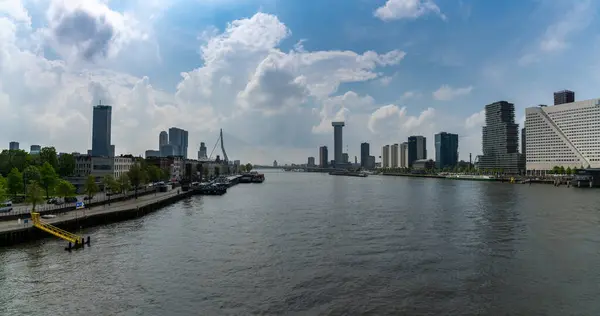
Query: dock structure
[[25, 228]]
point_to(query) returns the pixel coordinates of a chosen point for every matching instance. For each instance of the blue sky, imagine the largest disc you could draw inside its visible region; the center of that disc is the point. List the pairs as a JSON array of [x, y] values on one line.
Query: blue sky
[[273, 74]]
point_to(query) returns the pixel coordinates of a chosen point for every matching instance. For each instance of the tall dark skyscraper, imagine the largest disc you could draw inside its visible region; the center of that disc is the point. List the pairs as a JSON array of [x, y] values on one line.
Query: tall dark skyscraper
[[13, 145], [323, 157], [417, 149], [446, 150], [564, 96], [501, 140], [364, 154], [101, 131], [338, 142], [178, 138]]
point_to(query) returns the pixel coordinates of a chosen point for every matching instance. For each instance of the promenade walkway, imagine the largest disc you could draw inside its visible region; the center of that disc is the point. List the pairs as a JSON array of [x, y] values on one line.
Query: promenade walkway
[[141, 201]]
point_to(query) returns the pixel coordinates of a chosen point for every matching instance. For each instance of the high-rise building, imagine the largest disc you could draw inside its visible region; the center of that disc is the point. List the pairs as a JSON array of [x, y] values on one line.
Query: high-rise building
[[35, 149], [152, 153], [311, 161], [202, 152], [500, 140], [417, 149], [337, 142], [394, 155], [13, 145], [274, 163], [385, 156], [446, 150], [523, 143], [323, 159], [364, 154], [563, 135], [178, 138], [163, 139], [345, 158], [404, 155], [564, 96], [101, 131]]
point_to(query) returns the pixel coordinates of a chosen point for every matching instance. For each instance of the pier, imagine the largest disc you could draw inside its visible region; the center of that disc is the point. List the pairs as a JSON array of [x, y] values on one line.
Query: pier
[[31, 227]]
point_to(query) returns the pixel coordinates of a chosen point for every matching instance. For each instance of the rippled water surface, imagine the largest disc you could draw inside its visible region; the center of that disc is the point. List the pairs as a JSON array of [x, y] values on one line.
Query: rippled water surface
[[303, 243]]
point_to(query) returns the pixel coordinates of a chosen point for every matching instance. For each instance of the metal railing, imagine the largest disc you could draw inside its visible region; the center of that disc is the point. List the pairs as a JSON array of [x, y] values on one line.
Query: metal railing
[[67, 207]]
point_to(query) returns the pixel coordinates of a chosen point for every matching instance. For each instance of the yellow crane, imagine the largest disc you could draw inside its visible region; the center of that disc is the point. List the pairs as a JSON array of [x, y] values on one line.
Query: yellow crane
[[73, 239]]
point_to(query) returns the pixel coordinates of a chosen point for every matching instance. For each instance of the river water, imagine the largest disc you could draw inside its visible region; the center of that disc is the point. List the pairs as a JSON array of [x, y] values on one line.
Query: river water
[[310, 244]]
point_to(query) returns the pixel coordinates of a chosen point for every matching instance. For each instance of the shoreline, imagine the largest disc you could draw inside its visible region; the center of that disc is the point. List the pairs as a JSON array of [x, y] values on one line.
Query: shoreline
[[12, 233], [502, 180]]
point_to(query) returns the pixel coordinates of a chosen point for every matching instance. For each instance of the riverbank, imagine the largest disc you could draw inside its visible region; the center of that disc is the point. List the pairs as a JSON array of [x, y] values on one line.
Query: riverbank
[[13, 232], [518, 180]]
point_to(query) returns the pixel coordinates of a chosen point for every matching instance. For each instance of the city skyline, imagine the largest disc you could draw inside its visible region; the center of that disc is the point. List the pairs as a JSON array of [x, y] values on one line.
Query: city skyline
[[388, 70]]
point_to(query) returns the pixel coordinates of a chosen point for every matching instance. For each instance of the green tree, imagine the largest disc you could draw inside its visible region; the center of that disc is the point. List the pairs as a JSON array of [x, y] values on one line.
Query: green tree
[[569, 171], [242, 168], [248, 167], [32, 173], [66, 165], [14, 182], [35, 194], [124, 183], [65, 189], [164, 175], [137, 177], [109, 183], [3, 189], [154, 173], [561, 170], [10, 159], [555, 169], [48, 178], [48, 154], [90, 187]]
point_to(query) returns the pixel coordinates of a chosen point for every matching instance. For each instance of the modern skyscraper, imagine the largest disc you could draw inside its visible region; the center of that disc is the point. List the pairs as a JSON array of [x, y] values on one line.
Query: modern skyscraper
[[178, 138], [385, 156], [35, 149], [311, 161], [202, 152], [163, 139], [417, 149], [404, 155], [101, 131], [501, 140], [323, 157], [563, 135], [337, 142], [446, 150], [394, 155], [523, 143], [564, 96], [13, 145], [364, 154], [345, 158]]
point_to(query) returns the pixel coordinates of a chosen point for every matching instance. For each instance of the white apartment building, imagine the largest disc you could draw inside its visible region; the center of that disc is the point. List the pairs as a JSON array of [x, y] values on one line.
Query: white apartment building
[[385, 157], [394, 154], [404, 155], [565, 135], [100, 166]]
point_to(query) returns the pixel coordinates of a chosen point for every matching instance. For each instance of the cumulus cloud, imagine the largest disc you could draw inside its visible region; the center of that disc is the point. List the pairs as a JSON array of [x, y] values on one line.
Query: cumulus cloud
[[407, 9], [271, 103], [446, 93], [89, 29]]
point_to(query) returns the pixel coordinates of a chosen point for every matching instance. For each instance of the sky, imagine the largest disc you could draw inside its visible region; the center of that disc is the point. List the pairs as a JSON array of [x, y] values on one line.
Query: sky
[[274, 74]]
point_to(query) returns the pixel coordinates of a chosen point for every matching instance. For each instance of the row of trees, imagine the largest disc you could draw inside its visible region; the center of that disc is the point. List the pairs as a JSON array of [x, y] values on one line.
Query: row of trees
[[20, 159], [562, 170]]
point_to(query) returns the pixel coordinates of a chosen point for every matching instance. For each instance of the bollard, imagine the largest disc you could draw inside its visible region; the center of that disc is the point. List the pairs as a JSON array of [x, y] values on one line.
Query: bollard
[[88, 240]]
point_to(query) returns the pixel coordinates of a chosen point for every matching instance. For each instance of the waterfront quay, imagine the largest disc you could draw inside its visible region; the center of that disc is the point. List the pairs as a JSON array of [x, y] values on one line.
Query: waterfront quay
[[21, 229]]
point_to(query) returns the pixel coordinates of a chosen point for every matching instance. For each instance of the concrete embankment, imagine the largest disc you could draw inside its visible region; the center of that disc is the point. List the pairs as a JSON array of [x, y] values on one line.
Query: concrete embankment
[[13, 232]]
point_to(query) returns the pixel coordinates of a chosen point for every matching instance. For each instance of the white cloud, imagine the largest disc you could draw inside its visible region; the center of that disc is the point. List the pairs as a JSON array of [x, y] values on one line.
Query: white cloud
[[385, 81], [558, 34], [476, 120], [410, 95], [446, 93], [407, 9]]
